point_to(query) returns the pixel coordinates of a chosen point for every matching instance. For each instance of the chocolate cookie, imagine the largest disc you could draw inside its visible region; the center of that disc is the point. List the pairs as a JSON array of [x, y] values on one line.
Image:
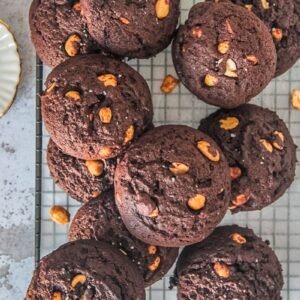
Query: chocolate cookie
[[172, 186], [94, 106], [282, 17], [232, 263], [100, 220], [86, 270], [260, 152], [82, 180], [58, 31], [135, 29], [224, 54]]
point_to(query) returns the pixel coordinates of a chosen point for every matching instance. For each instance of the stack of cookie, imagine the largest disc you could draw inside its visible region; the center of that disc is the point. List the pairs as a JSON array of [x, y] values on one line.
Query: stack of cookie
[[148, 191]]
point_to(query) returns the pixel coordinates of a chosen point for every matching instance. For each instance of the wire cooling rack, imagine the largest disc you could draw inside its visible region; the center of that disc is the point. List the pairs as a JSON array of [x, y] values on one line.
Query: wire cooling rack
[[279, 223]]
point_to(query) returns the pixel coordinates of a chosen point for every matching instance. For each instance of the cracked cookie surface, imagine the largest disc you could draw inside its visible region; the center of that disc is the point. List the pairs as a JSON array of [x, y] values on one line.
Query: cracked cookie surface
[[95, 106], [232, 263], [134, 29], [260, 152], [172, 187], [86, 270], [52, 23], [100, 220], [224, 54]]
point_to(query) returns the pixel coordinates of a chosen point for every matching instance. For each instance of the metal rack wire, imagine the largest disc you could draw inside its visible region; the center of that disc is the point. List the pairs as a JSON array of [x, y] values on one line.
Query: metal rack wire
[[279, 223]]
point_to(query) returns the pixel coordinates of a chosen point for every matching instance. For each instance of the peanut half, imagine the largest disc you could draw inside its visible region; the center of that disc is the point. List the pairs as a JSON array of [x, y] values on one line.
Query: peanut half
[[231, 69], [57, 296], [239, 239], [169, 84], [59, 215], [266, 145], [235, 173], [78, 279], [73, 95], [72, 45], [105, 115], [129, 135], [108, 80], [252, 58], [197, 202], [95, 167], [229, 123], [240, 200], [295, 98], [204, 148], [179, 168], [105, 152], [265, 4], [155, 264], [210, 80], [124, 20], [279, 140], [222, 270], [277, 34], [152, 249], [162, 8], [223, 47], [197, 32]]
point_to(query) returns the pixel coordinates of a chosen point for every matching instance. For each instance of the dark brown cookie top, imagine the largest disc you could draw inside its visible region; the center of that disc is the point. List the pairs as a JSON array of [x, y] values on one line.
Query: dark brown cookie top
[[100, 220], [87, 269], [82, 180], [58, 31], [94, 106], [282, 17], [135, 28], [232, 263], [172, 186], [224, 54], [260, 152]]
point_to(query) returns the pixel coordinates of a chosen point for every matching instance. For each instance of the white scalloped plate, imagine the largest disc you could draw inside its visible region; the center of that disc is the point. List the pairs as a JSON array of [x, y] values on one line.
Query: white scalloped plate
[[10, 68]]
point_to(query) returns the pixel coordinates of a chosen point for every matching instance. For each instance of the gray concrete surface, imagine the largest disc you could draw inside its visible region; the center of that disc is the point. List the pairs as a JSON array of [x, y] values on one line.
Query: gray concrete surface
[[17, 157]]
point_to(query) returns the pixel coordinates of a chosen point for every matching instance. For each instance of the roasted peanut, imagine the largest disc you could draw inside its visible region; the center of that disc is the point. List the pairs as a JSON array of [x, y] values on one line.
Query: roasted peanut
[[231, 69], [105, 152], [197, 32], [59, 215], [265, 4], [155, 264], [240, 200], [57, 296], [51, 87], [124, 20], [73, 95], [266, 145], [154, 213], [249, 6], [222, 270], [179, 168], [77, 6], [197, 202], [239, 239], [95, 167], [105, 115], [162, 8], [108, 80], [279, 140], [129, 135], [252, 58], [229, 123], [223, 47], [235, 173], [210, 80], [205, 149], [277, 34], [78, 279], [295, 98], [152, 250], [72, 45], [169, 84]]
